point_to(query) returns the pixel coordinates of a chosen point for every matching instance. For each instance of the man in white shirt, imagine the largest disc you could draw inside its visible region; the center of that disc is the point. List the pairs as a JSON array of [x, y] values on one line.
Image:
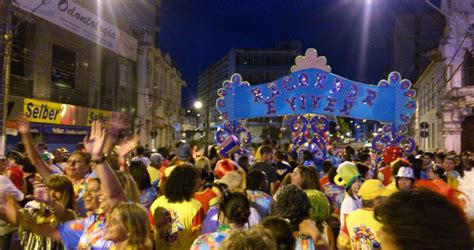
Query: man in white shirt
[[141, 157]]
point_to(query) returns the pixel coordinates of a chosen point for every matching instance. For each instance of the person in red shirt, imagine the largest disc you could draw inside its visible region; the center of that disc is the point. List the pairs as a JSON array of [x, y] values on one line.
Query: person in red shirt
[[14, 169]]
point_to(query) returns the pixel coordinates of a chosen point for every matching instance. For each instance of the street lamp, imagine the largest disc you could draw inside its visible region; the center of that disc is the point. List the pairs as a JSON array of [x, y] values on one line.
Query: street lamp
[[197, 104]]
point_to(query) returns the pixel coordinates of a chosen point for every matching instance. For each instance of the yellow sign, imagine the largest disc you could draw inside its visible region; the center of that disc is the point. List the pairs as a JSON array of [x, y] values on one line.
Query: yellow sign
[[42, 111], [97, 114]]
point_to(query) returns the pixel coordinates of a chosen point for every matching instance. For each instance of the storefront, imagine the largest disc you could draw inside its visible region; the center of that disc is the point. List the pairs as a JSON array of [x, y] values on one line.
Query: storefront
[[55, 124]]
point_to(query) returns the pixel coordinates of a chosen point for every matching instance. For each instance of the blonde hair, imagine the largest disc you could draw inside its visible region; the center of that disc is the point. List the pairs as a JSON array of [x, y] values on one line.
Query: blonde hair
[[129, 186], [203, 164], [135, 220]]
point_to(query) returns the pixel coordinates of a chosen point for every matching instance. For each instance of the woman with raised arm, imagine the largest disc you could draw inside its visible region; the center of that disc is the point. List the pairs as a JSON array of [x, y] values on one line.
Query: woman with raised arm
[[77, 167], [54, 203], [89, 231]]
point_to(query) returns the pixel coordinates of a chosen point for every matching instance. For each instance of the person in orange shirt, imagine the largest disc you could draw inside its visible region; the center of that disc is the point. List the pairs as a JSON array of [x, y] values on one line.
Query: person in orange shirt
[[327, 165], [205, 193]]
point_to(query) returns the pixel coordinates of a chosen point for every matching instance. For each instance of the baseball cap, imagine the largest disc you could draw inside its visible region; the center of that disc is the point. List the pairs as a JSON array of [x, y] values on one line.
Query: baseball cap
[[184, 152], [372, 189], [62, 150], [405, 172]]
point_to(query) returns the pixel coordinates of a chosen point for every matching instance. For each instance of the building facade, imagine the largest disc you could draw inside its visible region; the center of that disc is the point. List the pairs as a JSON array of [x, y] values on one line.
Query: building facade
[[428, 122], [81, 59], [446, 89], [159, 115], [255, 65], [415, 36]]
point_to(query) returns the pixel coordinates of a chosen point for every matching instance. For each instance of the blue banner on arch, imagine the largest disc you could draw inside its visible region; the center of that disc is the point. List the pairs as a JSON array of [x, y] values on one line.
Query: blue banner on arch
[[314, 91]]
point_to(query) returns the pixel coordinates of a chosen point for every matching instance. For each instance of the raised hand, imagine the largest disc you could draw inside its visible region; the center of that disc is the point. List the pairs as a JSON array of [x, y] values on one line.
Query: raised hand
[[128, 145], [41, 192], [115, 124], [23, 124], [94, 143]]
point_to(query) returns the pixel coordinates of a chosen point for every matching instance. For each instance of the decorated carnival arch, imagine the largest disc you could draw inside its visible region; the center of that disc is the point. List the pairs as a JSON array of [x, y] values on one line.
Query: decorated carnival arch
[[311, 88]]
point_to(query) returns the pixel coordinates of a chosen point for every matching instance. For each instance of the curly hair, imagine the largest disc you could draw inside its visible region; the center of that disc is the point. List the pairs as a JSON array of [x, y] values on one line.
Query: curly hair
[[422, 219], [181, 184], [291, 203]]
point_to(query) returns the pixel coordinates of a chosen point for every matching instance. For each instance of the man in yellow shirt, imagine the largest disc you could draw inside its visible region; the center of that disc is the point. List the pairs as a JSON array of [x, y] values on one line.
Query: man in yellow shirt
[[360, 229], [154, 168]]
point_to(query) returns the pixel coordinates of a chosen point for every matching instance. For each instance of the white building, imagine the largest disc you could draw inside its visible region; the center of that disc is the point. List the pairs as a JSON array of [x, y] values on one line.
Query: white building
[[159, 116], [446, 88], [428, 117]]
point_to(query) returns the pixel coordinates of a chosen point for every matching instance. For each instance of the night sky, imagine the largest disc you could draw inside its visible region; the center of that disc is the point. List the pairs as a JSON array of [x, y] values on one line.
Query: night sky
[[196, 33]]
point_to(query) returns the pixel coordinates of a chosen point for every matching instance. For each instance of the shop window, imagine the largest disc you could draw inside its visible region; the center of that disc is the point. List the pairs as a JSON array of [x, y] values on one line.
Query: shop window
[[64, 67]]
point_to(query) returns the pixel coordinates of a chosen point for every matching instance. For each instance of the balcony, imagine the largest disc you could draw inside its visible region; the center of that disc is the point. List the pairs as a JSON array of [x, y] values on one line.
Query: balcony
[[20, 86], [69, 96]]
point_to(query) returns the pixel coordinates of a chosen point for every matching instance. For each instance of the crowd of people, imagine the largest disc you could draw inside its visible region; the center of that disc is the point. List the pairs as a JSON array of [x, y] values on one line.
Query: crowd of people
[[111, 193]]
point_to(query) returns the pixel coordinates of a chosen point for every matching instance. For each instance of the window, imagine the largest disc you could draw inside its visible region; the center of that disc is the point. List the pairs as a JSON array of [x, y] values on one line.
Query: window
[[64, 66], [19, 51], [468, 70]]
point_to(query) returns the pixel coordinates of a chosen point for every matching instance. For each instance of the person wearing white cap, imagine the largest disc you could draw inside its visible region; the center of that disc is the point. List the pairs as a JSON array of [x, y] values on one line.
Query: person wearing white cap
[[405, 179]]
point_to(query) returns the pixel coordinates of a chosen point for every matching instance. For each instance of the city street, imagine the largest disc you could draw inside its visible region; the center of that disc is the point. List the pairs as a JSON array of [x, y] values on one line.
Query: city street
[[249, 124]]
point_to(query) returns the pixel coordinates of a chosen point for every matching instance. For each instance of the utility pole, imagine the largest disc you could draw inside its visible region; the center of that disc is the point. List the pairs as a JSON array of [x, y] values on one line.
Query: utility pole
[[6, 37]]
